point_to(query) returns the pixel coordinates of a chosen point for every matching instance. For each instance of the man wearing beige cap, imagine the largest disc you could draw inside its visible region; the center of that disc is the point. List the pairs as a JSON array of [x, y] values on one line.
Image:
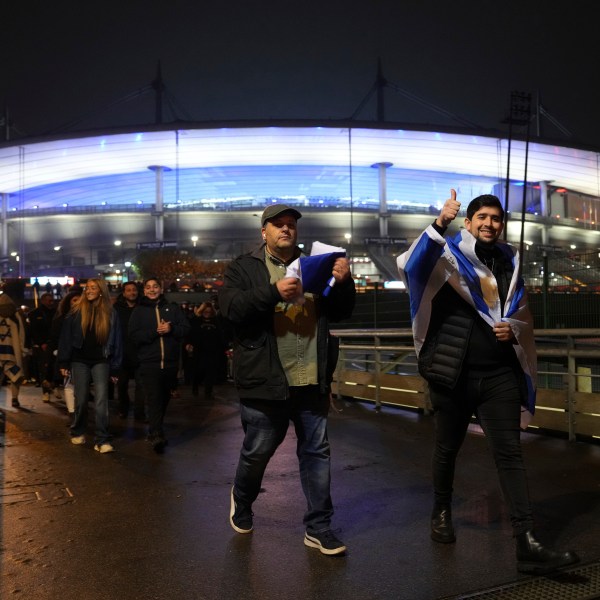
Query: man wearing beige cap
[[283, 361]]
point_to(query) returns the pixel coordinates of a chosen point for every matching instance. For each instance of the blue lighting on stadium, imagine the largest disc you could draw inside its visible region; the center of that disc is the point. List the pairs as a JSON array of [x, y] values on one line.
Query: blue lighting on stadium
[[239, 185]]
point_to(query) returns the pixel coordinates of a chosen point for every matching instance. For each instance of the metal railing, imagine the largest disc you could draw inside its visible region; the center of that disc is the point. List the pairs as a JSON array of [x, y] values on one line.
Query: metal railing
[[379, 365]]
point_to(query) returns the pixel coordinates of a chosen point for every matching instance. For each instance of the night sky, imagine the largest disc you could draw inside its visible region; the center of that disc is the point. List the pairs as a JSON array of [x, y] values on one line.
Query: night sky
[[70, 65]]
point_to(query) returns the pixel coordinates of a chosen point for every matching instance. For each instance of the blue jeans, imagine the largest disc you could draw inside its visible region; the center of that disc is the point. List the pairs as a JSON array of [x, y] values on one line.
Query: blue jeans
[[82, 375], [496, 401], [265, 425]]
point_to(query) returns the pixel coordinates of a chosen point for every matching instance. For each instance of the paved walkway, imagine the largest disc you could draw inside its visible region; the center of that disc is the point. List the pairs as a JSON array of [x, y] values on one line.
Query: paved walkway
[[134, 525]]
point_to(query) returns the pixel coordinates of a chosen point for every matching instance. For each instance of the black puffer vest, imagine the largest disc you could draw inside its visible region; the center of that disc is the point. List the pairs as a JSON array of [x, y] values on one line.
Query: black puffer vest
[[443, 352]]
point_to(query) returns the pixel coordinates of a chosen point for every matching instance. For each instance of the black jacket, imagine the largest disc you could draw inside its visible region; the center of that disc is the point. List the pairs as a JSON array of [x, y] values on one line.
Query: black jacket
[[162, 350], [207, 338], [71, 337], [247, 299], [457, 340], [40, 325], [125, 311]]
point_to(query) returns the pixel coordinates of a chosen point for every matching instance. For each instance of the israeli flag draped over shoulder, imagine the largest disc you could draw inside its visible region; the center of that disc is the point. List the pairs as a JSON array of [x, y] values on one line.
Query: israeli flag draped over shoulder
[[433, 260]]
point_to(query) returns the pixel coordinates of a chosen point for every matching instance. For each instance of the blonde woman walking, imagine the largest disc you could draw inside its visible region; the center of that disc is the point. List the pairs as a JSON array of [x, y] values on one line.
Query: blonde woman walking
[[90, 349]]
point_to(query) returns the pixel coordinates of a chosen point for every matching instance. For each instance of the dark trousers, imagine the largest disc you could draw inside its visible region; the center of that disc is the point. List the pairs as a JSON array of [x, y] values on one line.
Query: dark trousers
[[496, 402], [204, 372], [125, 376], [157, 385], [265, 425], [42, 361]]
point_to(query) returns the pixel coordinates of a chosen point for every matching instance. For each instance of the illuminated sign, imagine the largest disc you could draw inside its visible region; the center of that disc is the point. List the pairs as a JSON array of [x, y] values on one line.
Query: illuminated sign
[[45, 280]]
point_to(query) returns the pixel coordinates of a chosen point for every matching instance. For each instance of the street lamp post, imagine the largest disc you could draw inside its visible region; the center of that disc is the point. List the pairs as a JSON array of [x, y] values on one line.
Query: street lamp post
[[121, 259], [58, 249]]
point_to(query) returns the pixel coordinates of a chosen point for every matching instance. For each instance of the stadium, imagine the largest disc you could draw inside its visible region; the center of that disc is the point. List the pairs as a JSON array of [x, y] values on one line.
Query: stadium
[[86, 203]]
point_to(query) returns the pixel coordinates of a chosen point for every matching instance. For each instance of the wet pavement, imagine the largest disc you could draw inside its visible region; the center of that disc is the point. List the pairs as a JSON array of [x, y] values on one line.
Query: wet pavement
[[135, 525]]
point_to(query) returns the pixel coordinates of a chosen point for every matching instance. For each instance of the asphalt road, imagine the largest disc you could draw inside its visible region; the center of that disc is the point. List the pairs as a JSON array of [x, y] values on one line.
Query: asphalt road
[[135, 525]]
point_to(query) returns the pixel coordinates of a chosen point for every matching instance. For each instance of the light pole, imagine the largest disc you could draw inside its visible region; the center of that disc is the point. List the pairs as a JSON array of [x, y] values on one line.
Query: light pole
[[119, 244], [17, 258], [58, 249]]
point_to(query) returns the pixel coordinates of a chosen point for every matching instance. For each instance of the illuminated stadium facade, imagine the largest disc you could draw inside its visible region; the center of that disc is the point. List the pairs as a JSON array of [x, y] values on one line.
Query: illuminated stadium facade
[[371, 188]]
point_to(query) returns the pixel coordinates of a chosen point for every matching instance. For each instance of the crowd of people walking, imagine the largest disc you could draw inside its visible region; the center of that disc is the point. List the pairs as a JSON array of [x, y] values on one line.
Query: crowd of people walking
[[132, 350]]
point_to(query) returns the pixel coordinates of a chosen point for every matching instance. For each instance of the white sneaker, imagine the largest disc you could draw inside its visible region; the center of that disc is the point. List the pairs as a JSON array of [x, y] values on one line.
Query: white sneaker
[[78, 440], [104, 448]]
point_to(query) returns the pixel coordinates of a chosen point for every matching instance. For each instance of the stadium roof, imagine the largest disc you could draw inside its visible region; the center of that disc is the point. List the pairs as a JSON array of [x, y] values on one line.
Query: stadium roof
[[210, 162]]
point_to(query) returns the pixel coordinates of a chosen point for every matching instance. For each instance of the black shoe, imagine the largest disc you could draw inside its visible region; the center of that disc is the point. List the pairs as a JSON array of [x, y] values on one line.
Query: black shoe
[[325, 541], [159, 446], [158, 443], [441, 525], [16, 403], [240, 516], [533, 557]]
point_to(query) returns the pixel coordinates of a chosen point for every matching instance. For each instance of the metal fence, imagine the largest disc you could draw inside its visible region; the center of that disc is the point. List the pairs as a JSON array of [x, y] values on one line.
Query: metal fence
[[379, 365]]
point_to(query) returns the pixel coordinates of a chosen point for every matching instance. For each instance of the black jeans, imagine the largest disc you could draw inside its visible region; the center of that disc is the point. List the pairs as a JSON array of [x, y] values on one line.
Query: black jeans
[[496, 402], [157, 385], [126, 374]]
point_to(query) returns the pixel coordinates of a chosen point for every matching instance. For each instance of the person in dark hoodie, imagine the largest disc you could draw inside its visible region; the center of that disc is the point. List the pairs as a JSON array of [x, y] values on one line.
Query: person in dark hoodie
[[125, 304], [157, 328], [12, 346]]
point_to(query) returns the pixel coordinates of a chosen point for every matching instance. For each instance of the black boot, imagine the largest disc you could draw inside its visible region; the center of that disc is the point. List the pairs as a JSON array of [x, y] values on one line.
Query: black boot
[[533, 557], [441, 525]]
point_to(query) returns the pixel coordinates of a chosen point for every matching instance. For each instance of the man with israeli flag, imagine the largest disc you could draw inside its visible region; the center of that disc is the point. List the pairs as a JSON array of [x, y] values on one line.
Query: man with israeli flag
[[283, 361], [473, 336]]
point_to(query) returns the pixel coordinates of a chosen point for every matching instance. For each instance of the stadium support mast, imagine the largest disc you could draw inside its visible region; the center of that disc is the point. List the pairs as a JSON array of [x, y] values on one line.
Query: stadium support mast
[[159, 89]]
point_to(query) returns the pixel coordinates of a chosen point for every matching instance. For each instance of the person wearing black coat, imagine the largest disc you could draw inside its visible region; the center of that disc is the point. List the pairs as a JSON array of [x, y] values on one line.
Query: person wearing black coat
[[40, 324], [65, 305], [206, 342], [284, 357], [125, 304], [157, 328], [475, 347]]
